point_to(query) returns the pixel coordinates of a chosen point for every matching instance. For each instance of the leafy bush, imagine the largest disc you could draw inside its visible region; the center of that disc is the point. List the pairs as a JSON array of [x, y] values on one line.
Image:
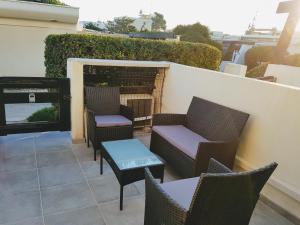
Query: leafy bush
[[196, 33], [258, 71], [46, 114], [61, 47], [292, 60], [257, 55], [54, 2]]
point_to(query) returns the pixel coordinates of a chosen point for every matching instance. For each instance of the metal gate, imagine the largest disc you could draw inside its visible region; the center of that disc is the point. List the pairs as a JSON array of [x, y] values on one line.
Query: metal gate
[[16, 90]]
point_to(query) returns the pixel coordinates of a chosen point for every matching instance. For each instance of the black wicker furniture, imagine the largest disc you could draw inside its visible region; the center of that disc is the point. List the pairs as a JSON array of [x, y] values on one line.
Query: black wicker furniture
[[188, 141], [106, 119], [128, 159], [218, 197]]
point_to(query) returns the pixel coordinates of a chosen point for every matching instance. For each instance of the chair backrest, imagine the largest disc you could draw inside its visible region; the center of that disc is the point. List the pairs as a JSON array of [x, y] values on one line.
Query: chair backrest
[[222, 199], [215, 122], [103, 100]]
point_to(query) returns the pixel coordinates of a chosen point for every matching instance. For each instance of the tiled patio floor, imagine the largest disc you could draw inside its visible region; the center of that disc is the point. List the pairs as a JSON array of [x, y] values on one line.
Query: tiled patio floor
[[45, 180]]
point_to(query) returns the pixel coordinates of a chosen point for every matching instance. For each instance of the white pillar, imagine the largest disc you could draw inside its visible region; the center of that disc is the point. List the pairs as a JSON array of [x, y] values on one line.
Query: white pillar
[[75, 73], [235, 69]]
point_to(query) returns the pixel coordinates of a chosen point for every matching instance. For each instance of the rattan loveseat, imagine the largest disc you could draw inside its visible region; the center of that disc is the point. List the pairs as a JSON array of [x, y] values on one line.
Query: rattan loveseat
[[188, 141]]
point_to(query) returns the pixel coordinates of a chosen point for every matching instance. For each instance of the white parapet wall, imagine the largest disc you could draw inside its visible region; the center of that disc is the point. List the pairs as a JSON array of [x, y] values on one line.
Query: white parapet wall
[[235, 69], [288, 75], [271, 134], [273, 130]]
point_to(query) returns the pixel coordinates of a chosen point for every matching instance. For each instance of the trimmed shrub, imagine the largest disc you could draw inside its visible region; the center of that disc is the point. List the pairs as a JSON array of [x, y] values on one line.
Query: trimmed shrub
[[53, 2], [257, 55], [258, 71], [46, 114], [293, 60], [61, 47]]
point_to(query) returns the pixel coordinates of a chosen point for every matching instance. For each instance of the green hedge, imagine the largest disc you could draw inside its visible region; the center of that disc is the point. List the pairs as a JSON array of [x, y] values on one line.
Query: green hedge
[[61, 47], [257, 55], [53, 2], [258, 71], [46, 114], [292, 60]]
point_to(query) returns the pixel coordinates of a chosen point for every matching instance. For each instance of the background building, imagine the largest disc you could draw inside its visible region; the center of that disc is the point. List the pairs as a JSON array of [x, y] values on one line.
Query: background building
[[143, 22], [24, 27]]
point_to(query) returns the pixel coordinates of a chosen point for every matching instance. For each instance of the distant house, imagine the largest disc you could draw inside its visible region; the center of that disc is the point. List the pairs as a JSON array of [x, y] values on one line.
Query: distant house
[[24, 26], [143, 22]]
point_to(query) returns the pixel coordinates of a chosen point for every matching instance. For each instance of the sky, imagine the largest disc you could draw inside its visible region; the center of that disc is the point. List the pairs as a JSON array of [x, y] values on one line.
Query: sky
[[229, 16]]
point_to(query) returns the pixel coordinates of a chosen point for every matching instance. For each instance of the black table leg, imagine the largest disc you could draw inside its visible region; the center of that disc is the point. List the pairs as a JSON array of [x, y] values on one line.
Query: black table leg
[[121, 197], [162, 178], [101, 163]]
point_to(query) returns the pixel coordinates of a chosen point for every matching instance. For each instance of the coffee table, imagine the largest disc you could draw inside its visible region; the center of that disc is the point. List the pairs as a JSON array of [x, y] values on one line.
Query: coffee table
[[128, 159]]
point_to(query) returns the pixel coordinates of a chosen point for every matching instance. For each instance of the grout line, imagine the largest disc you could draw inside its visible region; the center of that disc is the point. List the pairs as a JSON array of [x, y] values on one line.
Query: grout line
[[90, 188], [38, 177]]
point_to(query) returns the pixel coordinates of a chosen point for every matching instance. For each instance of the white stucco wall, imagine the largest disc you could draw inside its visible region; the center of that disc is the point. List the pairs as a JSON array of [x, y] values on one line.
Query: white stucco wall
[[75, 73], [272, 132], [22, 45], [289, 75], [235, 69]]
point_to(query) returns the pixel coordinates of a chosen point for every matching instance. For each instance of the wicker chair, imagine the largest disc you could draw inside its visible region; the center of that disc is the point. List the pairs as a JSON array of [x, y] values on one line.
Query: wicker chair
[[106, 119], [218, 197], [188, 141]]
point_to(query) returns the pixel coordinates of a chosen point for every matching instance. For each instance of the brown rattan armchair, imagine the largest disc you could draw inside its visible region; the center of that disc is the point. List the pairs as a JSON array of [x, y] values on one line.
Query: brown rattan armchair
[[218, 197], [188, 141], [106, 119]]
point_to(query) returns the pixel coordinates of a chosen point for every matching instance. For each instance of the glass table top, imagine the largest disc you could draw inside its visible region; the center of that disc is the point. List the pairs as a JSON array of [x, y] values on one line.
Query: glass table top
[[130, 154]]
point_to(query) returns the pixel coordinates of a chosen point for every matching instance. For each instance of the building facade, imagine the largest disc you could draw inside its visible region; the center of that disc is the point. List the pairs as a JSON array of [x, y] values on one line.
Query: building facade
[[24, 27]]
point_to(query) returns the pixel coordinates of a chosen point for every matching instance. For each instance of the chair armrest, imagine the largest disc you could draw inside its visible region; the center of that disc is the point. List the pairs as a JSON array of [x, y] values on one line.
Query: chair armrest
[[168, 119], [160, 208], [91, 117], [222, 151], [127, 112], [216, 167]]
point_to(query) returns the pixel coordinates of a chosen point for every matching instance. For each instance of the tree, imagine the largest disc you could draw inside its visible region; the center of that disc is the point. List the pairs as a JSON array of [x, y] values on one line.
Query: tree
[[195, 33], [92, 26], [122, 25], [259, 54], [159, 22]]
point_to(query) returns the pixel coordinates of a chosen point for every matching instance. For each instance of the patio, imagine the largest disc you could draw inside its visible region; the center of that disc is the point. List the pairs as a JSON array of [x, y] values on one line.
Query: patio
[[46, 180]]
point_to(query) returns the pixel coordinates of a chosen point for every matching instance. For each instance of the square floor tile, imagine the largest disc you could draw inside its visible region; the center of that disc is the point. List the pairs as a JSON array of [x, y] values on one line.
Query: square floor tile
[[91, 169], [83, 153], [16, 207], [18, 147], [264, 215], [106, 188], [55, 158], [21, 181], [59, 175], [85, 216], [31, 221], [66, 197], [132, 214], [18, 163], [145, 139], [53, 141]]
